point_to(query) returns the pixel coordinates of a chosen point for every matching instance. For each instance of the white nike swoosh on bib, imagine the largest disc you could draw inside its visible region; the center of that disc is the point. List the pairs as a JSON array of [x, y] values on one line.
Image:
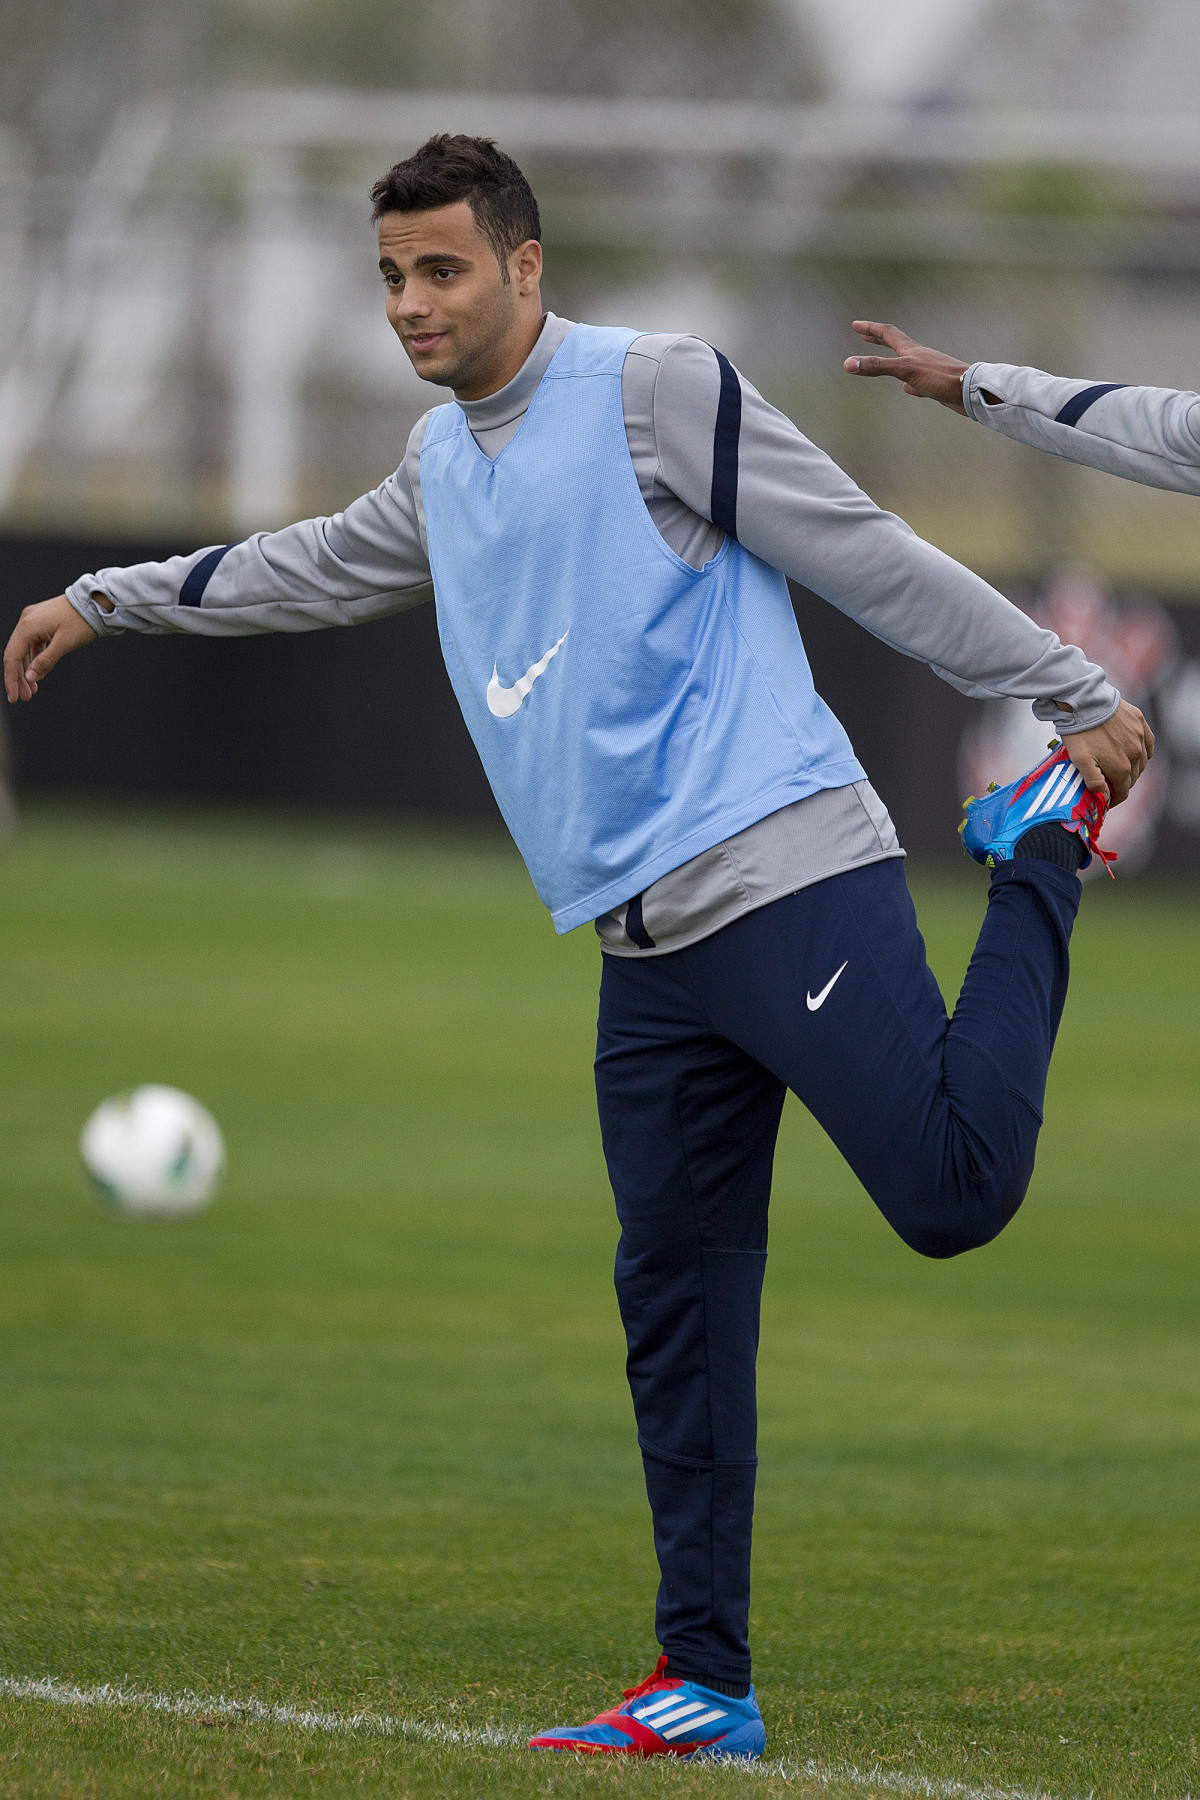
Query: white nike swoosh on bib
[[822, 997], [503, 701]]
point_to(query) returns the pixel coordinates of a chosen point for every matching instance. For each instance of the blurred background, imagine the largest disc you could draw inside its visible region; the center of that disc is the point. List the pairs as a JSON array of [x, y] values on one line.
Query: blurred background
[[193, 344]]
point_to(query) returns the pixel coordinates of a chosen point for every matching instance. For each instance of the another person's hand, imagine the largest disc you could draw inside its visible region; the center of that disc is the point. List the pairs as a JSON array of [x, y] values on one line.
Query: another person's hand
[[1112, 756], [927, 374], [43, 635]]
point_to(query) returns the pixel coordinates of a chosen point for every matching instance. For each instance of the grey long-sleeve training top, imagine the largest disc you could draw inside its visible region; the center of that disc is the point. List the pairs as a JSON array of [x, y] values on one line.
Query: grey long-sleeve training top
[[795, 508], [1146, 434]]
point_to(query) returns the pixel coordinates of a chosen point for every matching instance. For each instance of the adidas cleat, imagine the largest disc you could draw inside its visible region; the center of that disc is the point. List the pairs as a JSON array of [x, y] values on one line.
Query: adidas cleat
[[1052, 793], [666, 1717]]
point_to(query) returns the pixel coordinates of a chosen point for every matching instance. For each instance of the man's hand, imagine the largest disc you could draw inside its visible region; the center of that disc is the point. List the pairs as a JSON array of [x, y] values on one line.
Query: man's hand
[[1112, 756], [928, 374], [43, 635]]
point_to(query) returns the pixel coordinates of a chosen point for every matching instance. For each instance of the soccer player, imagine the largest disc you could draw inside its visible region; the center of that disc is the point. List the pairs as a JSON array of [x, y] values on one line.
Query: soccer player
[[1146, 434], [606, 521]]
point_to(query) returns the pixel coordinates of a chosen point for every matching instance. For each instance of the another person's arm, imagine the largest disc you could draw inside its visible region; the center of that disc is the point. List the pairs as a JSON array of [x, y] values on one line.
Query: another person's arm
[[356, 565], [797, 510], [1145, 434]]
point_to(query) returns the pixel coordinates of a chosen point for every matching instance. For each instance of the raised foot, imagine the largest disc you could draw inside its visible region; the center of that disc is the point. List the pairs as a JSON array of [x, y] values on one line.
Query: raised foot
[[1051, 793]]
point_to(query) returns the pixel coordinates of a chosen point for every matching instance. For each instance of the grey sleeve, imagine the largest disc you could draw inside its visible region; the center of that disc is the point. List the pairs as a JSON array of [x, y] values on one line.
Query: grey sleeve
[[1146, 434], [797, 510], [356, 565]]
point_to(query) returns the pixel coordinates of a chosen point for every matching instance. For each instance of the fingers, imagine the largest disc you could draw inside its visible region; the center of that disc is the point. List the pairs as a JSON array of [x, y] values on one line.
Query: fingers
[[1120, 771], [889, 335], [22, 649], [42, 636], [1137, 764], [1093, 774], [877, 365], [1125, 761], [1120, 779], [46, 658]]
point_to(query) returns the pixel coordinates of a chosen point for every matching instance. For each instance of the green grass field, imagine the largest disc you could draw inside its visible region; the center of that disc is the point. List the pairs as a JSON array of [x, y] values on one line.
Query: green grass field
[[358, 1439]]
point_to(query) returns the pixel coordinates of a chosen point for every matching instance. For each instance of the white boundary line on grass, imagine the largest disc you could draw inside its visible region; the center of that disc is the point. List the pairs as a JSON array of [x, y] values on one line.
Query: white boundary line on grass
[[193, 1706], [189, 1705]]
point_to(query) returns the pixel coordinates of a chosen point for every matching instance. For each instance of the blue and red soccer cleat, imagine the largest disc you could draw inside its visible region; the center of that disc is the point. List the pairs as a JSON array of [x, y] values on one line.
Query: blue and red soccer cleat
[[666, 1717], [1052, 793]]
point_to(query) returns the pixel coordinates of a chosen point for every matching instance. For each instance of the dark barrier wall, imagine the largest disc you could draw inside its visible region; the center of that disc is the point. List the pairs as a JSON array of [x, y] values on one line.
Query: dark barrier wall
[[364, 719]]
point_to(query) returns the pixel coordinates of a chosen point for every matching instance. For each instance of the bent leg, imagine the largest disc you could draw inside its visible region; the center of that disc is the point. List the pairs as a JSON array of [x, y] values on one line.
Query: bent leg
[[689, 1122], [938, 1118]]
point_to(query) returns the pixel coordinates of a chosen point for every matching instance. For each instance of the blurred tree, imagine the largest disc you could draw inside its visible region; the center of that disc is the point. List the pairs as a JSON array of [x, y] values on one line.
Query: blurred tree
[[68, 65], [751, 49], [1039, 191]]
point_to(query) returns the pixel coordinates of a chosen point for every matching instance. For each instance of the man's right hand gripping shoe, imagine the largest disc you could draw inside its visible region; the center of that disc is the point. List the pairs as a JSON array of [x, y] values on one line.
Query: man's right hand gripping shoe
[[666, 1717], [1051, 793]]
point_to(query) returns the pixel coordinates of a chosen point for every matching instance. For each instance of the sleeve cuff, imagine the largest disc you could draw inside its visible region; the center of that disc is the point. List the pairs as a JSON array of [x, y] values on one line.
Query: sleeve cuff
[[1083, 718], [973, 384], [80, 596]]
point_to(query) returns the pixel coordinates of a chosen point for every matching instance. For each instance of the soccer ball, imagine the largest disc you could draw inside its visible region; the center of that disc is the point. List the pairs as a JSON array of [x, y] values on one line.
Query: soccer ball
[[155, 1153]]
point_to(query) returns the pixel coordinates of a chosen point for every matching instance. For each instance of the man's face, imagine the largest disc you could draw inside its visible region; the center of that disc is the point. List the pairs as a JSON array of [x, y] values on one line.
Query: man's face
[[447, 299]]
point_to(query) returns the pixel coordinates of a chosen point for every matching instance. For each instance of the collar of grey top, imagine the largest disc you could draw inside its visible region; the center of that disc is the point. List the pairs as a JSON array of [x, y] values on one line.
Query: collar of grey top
[[512, 400]]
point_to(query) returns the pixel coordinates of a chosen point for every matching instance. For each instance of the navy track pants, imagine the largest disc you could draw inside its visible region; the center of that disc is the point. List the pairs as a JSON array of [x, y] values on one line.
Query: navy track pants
[[826, 992]]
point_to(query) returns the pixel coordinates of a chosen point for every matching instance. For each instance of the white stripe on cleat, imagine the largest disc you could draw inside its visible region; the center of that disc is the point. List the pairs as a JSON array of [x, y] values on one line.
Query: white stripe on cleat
[[1048, 793], [664, 1703], [707, 1718], [678, 1712]]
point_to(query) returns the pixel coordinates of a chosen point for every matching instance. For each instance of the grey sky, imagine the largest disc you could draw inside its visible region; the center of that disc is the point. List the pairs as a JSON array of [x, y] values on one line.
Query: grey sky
[[886, 49]]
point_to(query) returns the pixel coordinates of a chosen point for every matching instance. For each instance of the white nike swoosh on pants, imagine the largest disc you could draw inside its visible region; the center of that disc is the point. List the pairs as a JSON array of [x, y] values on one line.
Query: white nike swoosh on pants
[[822, 997]]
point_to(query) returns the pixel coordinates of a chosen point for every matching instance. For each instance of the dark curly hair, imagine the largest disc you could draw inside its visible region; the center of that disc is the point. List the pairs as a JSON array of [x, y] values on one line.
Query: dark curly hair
[[448, 168]]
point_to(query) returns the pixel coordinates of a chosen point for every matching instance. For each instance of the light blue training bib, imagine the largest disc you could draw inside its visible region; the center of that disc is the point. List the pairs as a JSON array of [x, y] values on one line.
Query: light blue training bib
[[630, 711]]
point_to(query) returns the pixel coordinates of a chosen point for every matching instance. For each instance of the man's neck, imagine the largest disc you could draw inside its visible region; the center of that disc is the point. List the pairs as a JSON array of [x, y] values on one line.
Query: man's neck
[[510, 362]]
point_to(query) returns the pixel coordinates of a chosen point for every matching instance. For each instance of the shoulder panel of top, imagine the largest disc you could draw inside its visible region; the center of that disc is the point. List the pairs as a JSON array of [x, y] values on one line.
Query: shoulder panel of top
[[592, 350], [655, 344], [441, 423], [416, 436]]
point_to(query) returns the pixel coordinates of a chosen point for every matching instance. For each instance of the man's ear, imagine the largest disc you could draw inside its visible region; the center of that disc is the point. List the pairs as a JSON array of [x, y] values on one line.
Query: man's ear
[[525, 266]]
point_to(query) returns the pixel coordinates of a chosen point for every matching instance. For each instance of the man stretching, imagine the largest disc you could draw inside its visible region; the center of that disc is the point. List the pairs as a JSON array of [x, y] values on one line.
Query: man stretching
[[606, 521]]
